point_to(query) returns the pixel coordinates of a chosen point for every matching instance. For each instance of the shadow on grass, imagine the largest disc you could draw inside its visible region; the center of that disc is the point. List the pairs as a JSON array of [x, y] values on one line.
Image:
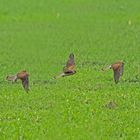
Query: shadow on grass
[[92, 63], [44, 82], [135, 79]]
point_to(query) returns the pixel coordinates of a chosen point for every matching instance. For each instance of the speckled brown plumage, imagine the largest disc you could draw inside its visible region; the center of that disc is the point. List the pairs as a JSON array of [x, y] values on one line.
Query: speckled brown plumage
[[23, 76], [117, 68], [69, 69]]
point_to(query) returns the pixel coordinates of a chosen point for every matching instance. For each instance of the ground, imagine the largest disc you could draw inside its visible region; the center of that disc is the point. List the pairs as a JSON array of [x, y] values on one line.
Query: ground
[[38, 36]]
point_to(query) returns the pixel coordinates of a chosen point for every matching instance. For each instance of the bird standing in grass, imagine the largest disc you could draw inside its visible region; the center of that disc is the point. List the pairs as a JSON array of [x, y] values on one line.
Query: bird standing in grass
[[118, 68], [23, 76], [69, 69]]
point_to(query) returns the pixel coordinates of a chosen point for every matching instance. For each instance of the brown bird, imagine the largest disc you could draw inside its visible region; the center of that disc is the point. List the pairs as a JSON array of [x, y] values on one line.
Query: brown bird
[[69, 69], [118, 68], [23, 76]]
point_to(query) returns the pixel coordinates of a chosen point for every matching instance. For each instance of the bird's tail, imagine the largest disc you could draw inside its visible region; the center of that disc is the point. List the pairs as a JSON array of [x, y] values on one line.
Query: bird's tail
[[60, 75], [12, 78]]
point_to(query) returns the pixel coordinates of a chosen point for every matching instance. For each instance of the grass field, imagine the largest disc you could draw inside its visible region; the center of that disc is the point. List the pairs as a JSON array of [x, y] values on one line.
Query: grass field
[[39, 35]]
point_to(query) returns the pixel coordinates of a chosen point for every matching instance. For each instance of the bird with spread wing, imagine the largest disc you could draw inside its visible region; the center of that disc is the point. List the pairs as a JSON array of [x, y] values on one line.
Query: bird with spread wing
[[69, 69], [23, 76], [117, 68]]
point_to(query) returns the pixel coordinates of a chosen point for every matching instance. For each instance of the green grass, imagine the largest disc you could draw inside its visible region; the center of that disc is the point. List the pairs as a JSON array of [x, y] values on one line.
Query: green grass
[[39, 36]]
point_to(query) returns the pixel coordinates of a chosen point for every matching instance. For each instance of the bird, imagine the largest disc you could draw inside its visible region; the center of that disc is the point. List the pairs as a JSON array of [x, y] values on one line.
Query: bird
[[23, 76], [69, 68], [118, 68]]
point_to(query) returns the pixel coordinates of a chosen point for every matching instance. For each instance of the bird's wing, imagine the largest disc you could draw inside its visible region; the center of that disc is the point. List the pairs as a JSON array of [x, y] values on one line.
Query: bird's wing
[[69, 69], [116, 75], [70, 65], [25, 83], [121, 69]]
